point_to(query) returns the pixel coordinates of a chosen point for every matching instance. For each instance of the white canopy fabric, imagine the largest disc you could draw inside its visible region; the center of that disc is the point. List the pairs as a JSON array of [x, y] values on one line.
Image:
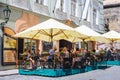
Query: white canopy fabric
[[74, 39], [112, 35], [91, 34], [87, 31]]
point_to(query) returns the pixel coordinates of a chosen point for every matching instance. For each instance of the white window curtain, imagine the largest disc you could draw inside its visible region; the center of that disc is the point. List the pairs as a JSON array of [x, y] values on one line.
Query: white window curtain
[[85, 10], [57, 6], [78, 8], [97, 17], [46, 2], [89, 14]]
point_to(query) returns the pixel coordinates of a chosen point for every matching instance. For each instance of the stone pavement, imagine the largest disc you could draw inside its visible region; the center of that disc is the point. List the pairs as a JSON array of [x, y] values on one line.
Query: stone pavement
[[8, 72], [112, 73]]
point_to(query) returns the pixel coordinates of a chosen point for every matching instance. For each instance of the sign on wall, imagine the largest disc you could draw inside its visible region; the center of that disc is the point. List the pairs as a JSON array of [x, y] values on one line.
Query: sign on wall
[[9, 47], [9, 56]]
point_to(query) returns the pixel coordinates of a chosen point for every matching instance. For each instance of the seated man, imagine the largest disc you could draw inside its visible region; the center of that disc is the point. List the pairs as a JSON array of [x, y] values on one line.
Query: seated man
[[51, 57]]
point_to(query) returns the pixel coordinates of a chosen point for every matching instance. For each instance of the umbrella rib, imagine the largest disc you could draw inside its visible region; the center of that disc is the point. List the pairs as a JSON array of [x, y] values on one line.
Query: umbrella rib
[[84, 38], [64, 34], [51, 36], [45, 33], [35, 34], [73, 39], [59, 32]]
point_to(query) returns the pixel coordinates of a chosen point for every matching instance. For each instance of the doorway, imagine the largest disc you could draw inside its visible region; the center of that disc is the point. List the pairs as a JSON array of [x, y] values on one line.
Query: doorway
[[64, 43]]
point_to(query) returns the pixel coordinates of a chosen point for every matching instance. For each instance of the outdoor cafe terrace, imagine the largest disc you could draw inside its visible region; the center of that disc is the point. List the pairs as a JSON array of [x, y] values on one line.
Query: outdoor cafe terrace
[[54, 30], [75, 63]]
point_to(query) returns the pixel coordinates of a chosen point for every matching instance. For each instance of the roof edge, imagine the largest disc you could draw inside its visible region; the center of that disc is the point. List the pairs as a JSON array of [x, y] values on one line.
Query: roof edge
[[112, 5]]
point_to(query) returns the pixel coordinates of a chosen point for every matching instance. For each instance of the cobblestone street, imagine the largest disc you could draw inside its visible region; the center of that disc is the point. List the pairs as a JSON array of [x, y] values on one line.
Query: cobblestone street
[[26, 77], [111, 73]]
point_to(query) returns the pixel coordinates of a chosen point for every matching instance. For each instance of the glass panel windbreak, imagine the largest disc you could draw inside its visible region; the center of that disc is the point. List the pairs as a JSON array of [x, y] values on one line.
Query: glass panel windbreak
[[30, 45], [47, 46]]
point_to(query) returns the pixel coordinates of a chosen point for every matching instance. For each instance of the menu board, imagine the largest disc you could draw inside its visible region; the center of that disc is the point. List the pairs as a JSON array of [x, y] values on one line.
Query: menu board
[[9, 56]]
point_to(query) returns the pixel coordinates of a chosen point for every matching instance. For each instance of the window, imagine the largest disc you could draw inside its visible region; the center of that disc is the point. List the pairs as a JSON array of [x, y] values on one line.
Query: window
[[73, 7], [30, 45], [40, 1], [37, 1], [94, 16], [107, 25], [9, 42], [9, 50]]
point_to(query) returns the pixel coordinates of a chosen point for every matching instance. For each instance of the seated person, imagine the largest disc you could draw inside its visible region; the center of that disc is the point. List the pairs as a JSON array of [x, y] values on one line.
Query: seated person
[[74, 58], [64, 56], [51, 57], [36, 56], [28, 58], [57, 60]]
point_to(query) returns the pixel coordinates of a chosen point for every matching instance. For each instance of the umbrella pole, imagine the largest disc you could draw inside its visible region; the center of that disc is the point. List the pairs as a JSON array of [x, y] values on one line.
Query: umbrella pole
[[85, 44], [112, 43], [30, 46], [51, 36]]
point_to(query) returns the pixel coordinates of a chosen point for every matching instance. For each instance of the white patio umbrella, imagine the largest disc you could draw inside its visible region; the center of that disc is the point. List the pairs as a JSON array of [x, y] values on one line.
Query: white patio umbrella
[[50, 30], [112, 36], [74, 39], [91, 34]]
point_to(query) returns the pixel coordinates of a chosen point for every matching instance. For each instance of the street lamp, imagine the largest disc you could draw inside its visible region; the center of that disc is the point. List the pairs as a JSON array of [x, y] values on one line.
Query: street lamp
[[6, 13]]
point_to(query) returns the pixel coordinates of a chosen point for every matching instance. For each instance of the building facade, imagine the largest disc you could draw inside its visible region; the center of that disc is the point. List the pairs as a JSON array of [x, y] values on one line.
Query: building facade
[[112, 16], [32, 12]]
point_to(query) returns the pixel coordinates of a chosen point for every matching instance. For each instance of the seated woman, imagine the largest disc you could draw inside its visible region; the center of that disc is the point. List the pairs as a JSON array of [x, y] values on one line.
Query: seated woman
[[51, 57], [65, 58], [75, 58]]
